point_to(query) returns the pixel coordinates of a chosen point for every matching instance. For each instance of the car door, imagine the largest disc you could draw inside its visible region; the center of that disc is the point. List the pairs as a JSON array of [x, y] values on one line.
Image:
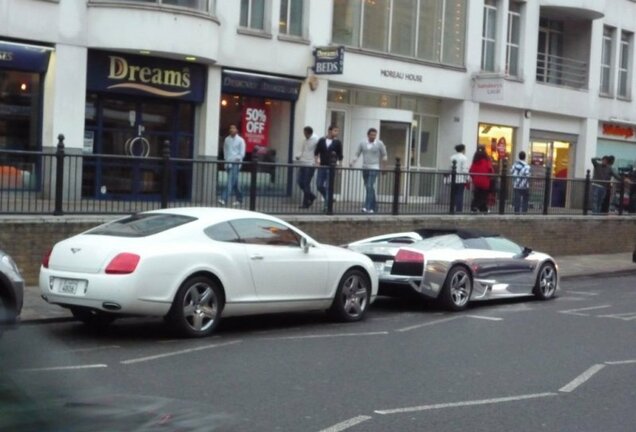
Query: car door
[[511, 267], [281, 269]]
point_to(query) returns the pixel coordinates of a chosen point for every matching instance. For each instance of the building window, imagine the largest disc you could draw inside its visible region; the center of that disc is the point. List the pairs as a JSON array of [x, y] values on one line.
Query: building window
[[489, 36], [513, 40], [253, 14], [623, 65], [199, 5], [291, 17], [433, 30], [606, 61]]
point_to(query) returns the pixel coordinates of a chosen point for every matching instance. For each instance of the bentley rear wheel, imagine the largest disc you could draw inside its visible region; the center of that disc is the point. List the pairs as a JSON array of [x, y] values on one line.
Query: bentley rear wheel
[[197, 307], [457, 289]]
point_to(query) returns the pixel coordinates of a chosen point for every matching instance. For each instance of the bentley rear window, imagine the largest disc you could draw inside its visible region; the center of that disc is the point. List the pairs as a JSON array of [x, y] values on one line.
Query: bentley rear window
[[142, 225]]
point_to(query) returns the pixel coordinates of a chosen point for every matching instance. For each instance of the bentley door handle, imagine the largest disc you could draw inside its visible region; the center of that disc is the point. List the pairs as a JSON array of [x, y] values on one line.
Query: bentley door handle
[[257, 257]]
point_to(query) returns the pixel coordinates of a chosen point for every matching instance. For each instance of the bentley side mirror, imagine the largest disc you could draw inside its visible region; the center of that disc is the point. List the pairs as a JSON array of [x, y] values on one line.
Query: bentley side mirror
[[304, 244]]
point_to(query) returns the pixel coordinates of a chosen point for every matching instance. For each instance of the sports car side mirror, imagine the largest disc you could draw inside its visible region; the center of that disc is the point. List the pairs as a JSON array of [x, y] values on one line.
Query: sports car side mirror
[[304, 244], [526, 251]]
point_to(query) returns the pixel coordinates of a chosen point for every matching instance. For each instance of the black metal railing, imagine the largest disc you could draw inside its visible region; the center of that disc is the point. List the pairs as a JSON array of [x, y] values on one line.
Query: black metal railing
[[63, 182]]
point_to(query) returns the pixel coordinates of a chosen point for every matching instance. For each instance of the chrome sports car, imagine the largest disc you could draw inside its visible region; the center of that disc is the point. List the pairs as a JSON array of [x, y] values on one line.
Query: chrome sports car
[[459, 266]]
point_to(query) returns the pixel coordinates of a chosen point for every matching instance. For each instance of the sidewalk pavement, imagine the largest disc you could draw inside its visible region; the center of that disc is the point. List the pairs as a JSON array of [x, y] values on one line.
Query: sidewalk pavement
[[37, 310]]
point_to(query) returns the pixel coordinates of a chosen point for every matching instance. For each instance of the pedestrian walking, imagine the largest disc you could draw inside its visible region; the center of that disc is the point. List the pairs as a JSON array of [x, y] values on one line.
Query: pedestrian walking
[[306, 166], [601, 177], [374, 157], [462, 180], [480, 171], [233, 153], [328, 147], [520, 173]]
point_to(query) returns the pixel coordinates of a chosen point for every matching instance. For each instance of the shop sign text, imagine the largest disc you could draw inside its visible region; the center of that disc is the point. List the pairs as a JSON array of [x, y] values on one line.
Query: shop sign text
[[610, 129], [329, 61], [488, 89], [387, 73], [255, 125], [139, 77], [6, 56]]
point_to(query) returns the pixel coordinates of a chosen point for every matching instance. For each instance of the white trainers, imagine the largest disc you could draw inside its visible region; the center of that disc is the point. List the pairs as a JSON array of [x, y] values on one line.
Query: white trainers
[[364, 209], [371, 211], [221, 202], [236, 203]]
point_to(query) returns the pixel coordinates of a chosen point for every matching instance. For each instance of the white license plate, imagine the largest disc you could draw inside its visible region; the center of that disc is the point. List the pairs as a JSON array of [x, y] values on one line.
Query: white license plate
[[70, 286]]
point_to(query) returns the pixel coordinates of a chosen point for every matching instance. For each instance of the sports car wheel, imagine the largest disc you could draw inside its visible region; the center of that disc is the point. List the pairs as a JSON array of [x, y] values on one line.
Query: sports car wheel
[[545, 288], [197, 307], [457, 289], [352, 297], [93, 318]]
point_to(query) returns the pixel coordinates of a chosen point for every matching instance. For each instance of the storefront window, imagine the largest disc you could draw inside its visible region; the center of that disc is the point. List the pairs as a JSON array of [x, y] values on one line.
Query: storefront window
[[498, 142], [376, 99], [339, 96]]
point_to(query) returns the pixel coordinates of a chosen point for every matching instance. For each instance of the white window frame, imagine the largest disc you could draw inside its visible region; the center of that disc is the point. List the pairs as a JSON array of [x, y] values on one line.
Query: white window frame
[[288, 18], [624, 73], [416, 32], [249, 17], [510, 46], [606, 68], [485, 41]]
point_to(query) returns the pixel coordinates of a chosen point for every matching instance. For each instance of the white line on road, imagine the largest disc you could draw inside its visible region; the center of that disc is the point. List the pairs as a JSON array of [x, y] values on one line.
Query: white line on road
[[334, 335], [572, 385], [465, 403], [621, 362], [78, 350], [585, 293], [426, 324], [577, 311], [174, 353], [63, 368], [482, 317], [629, 316], [347, 424]]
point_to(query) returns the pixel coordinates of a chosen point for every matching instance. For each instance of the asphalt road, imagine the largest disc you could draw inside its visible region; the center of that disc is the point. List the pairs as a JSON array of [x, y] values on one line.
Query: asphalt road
[[563, 365]]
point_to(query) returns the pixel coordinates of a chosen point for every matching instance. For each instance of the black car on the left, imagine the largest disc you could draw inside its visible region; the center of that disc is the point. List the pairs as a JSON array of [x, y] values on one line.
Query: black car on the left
[[11, 290]]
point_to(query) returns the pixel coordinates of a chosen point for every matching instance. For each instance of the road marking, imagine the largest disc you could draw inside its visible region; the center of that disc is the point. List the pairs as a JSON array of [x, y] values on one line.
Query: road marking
[[577, 311], [63, 368], [585, 293], [572, 385], [347, 424], [319, 336], [620, 362], [174, 353], [89, 349], [482, 317], [629, 316], [426, 324], [465, 403]]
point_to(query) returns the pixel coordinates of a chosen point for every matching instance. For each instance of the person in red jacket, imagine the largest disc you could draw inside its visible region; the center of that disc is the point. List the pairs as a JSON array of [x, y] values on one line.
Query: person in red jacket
[[481, 171]]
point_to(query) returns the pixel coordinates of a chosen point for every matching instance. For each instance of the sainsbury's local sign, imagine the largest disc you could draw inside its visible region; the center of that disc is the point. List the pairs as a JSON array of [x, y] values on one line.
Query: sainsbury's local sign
[[140, 75]]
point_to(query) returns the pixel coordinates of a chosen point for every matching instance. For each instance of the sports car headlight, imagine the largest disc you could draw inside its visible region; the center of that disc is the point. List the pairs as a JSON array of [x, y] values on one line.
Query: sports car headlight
[[6, 260]]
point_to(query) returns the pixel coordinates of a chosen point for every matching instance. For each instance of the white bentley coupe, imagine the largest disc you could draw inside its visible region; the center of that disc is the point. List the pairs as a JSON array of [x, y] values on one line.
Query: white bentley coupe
[[194, 265]]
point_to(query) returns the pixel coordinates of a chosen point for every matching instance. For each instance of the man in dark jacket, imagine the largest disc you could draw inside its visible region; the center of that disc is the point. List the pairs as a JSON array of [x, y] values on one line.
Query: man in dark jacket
[[328, 147]]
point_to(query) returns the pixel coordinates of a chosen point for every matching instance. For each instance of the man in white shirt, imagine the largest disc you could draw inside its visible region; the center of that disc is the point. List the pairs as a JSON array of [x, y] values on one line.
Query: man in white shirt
[[233, 153], [520, 173], [373, 153], [461, 178], [306, 160]]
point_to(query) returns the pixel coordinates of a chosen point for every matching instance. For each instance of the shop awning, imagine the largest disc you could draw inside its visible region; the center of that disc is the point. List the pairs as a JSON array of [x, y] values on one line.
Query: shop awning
[[253, 84], [24, 57]]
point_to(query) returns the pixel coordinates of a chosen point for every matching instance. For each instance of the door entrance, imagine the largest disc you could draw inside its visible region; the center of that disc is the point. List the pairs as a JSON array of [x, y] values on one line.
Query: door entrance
[[137, 131], [555, 154], [396, 137]]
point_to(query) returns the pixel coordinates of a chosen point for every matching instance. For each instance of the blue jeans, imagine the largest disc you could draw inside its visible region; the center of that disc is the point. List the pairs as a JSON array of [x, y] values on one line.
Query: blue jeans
[[322, 181], [520, 200], [232, 185], [369, 176], [598, 195], [305, 174], [458, 196]]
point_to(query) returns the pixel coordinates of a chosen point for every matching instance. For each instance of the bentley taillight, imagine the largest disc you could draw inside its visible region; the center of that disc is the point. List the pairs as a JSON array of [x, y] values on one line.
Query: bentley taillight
[[123, 263], [46, 258]]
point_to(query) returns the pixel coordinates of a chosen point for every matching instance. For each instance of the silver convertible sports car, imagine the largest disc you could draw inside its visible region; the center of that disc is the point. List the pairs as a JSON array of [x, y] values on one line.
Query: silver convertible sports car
[[459, 266]]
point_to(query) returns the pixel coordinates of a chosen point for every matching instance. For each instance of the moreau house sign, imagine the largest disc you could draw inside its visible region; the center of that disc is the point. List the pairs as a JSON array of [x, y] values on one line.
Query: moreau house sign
[[401, 75]]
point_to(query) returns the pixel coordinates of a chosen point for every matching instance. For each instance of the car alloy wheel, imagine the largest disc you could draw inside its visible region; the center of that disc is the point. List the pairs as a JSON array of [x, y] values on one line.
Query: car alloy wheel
[[457, 289], [546, 282], [352, 297], [197, 307]]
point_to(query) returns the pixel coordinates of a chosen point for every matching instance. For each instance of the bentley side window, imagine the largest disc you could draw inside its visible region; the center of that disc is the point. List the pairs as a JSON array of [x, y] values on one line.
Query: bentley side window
[[222, 232], [265, 232]]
